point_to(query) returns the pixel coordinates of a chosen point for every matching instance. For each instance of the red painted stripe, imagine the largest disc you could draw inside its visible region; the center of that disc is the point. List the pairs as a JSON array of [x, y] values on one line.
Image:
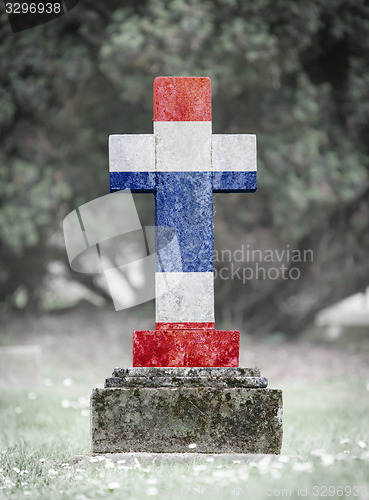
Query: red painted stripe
[[182, 99], [186, 348], [184, 326]]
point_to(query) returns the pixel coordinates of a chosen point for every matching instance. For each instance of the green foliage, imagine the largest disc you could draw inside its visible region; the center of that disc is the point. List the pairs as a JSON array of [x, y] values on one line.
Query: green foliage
[[294, 73], [262, 59], [31, 198]]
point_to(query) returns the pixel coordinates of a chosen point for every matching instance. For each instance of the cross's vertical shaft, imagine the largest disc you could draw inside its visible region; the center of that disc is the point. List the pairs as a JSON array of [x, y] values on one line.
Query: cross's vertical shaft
[[184, 202], [182, 163]]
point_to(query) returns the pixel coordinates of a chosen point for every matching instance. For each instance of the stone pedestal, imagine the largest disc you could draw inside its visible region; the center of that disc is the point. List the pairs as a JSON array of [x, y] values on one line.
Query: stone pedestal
[[166, 410]]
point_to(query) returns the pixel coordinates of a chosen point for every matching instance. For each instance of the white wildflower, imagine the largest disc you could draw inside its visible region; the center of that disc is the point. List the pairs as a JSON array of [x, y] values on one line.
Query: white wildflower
[[275, 473], [67, 382], [361, 444], [192, 446], [83, 401], [152, 491], [318, 453], [199, 467], [327, 460], [114, 485], [303, 467]]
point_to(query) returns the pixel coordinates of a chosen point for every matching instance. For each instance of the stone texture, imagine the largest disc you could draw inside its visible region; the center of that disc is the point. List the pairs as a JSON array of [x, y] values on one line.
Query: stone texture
[[233, 152], [190, 164], [184, 325], [203, 347], [182, 99], [158, 420], [184, 297], [186, 372], [182, 146], [250, 382], [135, 152]]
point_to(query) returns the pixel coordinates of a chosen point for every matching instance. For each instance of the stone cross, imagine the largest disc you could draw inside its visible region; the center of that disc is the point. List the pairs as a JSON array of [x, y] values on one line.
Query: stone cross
[[182, 163]]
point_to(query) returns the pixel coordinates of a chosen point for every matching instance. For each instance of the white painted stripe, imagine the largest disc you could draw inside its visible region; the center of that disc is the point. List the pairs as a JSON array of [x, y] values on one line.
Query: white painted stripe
[[132, 153], [183, 146], [234, 152], [184, 297]]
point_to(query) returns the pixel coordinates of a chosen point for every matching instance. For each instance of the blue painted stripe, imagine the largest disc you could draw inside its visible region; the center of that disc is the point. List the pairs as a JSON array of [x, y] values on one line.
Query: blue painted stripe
[[233, 182], [222, 181], [184, 203], [137, 182], [184, 212]]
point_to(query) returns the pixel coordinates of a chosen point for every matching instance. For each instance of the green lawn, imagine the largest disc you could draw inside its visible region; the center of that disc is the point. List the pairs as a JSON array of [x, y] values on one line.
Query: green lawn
[[325, 451]]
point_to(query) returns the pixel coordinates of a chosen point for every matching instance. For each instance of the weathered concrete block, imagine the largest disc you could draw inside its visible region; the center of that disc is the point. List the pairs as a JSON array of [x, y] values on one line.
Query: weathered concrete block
[[167, 419]]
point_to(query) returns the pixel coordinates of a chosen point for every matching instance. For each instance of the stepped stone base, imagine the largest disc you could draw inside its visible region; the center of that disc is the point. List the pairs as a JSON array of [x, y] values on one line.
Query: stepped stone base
[[169, 410]]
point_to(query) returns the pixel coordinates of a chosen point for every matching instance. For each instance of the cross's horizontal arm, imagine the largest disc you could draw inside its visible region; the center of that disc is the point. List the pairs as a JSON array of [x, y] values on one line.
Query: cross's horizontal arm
[[234, 163], [132, 162]]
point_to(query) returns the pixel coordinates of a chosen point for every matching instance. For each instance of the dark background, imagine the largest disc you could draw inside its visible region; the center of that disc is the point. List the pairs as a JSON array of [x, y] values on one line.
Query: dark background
[[294, 73]]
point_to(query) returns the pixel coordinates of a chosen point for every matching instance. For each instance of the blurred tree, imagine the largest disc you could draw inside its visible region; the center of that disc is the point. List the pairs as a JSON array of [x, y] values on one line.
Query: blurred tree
[[296, 74]]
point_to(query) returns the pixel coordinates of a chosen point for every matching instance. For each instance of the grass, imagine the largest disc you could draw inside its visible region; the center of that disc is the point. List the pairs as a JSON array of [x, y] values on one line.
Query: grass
[[325, 451]]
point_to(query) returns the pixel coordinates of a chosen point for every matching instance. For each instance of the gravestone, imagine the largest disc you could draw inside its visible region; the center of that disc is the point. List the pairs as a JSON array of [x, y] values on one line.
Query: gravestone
[[185, 391]]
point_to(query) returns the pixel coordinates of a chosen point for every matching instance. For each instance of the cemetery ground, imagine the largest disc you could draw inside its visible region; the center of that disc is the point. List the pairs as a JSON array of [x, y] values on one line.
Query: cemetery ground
[[43, 426]]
